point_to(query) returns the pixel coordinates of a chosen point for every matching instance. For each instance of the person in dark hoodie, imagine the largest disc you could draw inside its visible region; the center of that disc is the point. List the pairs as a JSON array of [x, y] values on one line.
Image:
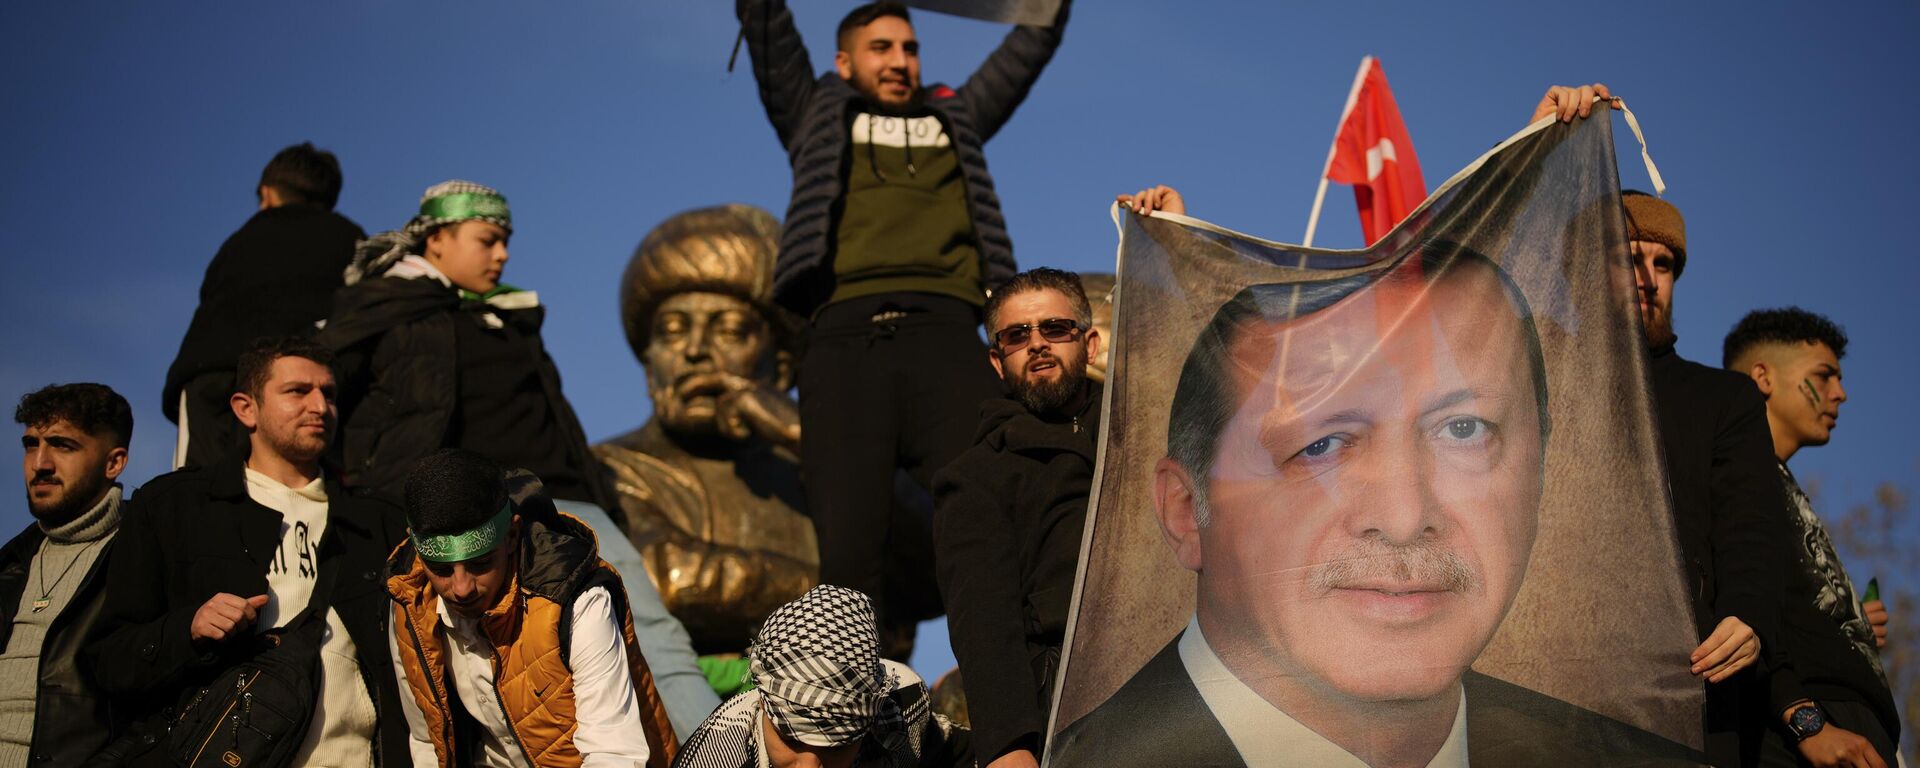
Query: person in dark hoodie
[[1009, 512], [273, 277], [435, 352], [892, 241]]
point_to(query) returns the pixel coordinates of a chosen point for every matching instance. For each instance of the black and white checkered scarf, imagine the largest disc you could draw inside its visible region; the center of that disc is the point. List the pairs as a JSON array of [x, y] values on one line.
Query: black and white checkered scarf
[[817, 663], [375, 255]]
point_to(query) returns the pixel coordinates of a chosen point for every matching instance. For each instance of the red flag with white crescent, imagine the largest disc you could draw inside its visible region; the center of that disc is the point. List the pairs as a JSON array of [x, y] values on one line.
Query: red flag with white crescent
[[1374, 153]]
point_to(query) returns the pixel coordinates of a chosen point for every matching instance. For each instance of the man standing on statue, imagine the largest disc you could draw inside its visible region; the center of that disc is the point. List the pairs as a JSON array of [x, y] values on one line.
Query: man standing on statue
[[893, 239]]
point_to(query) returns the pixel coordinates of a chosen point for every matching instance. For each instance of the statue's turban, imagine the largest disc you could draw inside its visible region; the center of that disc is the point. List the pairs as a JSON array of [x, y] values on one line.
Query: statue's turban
[[727, 249]]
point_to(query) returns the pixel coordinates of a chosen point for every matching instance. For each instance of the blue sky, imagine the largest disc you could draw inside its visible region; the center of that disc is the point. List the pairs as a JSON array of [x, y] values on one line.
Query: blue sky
[[134, 132]]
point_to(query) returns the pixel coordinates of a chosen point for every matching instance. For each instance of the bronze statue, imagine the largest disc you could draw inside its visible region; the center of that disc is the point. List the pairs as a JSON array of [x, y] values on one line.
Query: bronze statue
[[709, 487]]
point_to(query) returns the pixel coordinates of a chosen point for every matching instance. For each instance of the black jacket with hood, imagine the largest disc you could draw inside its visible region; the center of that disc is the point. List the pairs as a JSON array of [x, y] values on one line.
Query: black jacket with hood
[[1008, 517], [812, 114], [399, 370]]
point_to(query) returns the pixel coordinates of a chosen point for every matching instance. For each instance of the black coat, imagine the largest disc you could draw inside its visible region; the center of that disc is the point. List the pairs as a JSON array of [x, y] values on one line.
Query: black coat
[[71, 719], [1729, 510], [1158, 718], [275, 276], [399, 367], [1007, 521], [810, 113], [195, 533]]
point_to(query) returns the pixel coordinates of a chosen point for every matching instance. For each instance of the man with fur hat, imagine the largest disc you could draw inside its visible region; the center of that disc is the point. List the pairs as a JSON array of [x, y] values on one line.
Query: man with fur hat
[[824, 698], [1728, 505], [709, 488], [511, 637]]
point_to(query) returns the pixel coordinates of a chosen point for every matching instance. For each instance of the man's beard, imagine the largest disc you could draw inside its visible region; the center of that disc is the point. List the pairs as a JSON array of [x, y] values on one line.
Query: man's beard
[[294, 446], [1659, 326], [1050, 395], [75, 502]]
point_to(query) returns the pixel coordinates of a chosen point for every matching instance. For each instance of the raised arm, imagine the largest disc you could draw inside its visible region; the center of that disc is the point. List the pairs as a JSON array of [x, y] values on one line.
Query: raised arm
[[1003, 80], [780, 63]]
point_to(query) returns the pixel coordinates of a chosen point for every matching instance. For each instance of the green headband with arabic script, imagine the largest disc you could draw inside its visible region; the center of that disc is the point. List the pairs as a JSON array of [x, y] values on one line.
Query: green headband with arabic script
[[461, 206], [468, 544]]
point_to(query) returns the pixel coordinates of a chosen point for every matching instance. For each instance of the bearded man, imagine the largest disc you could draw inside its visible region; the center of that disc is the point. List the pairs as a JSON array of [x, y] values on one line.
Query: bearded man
[[52, 586], [1008, 513], [211, 558]]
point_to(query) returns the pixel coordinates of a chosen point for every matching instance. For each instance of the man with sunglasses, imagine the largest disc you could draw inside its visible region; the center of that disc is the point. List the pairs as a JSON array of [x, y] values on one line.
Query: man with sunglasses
[[1008, 513]]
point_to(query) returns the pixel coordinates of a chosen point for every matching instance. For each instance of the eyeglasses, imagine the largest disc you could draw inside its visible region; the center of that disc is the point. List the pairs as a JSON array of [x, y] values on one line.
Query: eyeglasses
[[1057, 330]]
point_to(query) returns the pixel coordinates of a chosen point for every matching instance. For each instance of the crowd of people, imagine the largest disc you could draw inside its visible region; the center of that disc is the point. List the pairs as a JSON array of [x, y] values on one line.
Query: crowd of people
[[389, 542]]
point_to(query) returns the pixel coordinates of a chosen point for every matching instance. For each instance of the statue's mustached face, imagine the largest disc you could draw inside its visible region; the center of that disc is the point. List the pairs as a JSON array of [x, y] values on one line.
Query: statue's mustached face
[[700, 342]]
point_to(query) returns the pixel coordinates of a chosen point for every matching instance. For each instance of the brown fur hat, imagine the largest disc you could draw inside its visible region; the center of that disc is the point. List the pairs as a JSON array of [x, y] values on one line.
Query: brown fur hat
[[1655, 220]]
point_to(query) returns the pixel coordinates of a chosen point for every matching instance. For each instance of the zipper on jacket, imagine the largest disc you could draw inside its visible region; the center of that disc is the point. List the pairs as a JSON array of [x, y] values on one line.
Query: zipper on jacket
[[446, 716], [501, 700]]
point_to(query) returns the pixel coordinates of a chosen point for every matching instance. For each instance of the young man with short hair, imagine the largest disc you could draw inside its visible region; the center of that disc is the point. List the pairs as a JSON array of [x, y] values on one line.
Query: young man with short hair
[[274, 277], [1009, 512], [891, 243], [513, 638], [1839, 709], [51, 589], [212, 556]]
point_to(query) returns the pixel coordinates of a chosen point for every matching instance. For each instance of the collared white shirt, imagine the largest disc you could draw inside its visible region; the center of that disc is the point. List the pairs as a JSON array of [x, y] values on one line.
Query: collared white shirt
[[610, 733], [1265, 736]]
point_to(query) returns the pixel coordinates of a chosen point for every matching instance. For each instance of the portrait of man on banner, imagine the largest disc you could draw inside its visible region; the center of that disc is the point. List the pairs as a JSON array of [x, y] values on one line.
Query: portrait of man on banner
[[1356, 470]]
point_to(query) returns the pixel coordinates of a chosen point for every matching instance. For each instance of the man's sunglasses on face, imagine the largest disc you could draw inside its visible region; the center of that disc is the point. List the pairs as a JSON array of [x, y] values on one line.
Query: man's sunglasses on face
[[1057, 330]]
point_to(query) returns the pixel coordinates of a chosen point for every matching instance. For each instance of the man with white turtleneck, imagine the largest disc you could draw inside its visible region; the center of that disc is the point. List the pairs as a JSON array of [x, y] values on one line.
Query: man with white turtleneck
[[51, 586]]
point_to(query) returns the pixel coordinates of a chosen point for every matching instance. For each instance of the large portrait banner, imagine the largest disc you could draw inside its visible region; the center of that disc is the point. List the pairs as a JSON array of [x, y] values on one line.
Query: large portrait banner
[[1397, 506]]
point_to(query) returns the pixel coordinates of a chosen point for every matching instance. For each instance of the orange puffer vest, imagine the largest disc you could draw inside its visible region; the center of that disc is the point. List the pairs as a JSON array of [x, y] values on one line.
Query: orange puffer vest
[[529, 631]]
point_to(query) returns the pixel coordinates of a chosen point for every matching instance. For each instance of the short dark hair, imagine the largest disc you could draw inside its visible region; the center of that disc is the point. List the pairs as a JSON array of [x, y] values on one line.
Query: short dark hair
[[1790, 325], [1202, 400], [1040, 279], [255, 366], [453, 490], [304, 173], [94, 408], [868, 14]]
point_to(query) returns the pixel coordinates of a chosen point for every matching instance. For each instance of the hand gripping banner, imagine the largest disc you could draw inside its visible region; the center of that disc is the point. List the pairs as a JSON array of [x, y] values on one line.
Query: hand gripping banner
[[1398, 506]]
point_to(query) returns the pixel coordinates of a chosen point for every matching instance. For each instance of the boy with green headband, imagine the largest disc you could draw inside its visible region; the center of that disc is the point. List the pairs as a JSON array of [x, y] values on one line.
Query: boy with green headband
[[435, 352], [511, 637]]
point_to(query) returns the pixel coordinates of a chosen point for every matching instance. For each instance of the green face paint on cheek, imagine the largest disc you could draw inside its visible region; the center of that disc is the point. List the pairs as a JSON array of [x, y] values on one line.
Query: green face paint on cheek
[[1813, 396]]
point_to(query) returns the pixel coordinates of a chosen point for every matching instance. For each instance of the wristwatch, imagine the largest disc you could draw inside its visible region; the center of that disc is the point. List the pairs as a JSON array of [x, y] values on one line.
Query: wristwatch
[[1806, 721]]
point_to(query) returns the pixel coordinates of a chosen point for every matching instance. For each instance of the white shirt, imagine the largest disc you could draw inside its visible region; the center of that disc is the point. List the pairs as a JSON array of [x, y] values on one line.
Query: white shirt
[[1265, 736], [610, 733], [343, 714]]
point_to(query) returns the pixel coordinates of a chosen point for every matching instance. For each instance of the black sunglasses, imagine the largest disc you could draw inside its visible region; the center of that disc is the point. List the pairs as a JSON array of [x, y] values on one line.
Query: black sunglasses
[[1058, 330]]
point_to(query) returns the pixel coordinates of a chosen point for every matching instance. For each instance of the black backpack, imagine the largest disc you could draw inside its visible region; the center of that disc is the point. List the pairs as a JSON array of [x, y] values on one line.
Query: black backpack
[[257, 712]]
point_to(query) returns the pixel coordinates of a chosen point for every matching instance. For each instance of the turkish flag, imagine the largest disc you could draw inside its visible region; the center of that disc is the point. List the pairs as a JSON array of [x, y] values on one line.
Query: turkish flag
[[1373, 152]]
